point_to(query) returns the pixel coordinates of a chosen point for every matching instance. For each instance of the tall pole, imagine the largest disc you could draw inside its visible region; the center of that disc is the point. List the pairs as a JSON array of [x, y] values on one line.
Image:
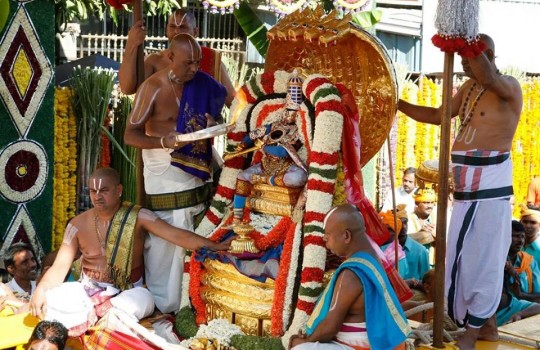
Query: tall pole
[[442, 200], [137, 16]]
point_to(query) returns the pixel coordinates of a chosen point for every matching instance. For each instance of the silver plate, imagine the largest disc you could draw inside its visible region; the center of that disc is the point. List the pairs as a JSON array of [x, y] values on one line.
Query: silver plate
[[207, 133]]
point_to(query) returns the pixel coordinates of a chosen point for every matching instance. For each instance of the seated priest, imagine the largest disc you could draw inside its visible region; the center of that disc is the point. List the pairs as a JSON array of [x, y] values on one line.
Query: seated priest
[[110, 237], [358, 309]]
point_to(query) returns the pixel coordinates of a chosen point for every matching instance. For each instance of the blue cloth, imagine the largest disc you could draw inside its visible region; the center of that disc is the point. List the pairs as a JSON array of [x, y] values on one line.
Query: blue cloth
[[516, 305], [386, 323], [533, 249], [275, 150], [416, 261], [259, 268], [201, 95], [524, 281]]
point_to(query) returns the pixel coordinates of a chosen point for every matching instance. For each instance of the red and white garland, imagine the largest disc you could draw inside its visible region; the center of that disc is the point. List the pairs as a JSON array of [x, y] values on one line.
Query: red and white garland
[[321, 148]]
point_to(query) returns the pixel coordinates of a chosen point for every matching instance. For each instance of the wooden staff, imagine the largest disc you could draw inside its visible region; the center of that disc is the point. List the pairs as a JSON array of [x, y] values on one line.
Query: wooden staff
[[394, 210], [141, 193], [442, 201], [137, 16]]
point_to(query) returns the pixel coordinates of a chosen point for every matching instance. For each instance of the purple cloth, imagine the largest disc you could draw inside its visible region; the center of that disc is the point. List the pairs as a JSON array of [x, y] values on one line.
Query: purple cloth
[[201, 95]]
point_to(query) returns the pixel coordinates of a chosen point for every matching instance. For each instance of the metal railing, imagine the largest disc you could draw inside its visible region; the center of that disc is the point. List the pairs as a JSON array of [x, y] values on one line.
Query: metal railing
[[112, 46]]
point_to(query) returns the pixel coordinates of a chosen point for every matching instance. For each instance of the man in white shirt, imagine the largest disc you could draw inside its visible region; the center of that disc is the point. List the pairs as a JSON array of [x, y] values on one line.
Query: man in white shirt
[[21, 264], [403, 192]]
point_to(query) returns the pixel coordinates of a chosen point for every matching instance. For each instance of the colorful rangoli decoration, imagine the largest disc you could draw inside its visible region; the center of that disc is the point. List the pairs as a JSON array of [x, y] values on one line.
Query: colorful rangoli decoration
[[25, 71], [457, 27], [25, 169], [21, 229], [25, 77]]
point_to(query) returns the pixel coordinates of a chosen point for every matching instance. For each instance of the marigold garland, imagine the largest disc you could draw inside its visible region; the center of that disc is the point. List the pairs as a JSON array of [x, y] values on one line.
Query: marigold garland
[[65, 164], [322, 162], [417, 143]]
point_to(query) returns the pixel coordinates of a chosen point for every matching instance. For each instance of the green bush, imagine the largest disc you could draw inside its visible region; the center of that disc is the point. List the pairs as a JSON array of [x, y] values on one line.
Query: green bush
[[185, 323]]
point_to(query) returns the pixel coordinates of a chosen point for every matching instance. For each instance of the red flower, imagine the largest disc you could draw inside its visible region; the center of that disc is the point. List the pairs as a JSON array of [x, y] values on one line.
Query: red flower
[[117, 4], [281, 282], [274, 237]]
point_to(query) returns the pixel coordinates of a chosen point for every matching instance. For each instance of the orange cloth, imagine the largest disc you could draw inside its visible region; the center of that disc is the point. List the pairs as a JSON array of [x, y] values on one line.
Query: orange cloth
[[387, 218], [533, 193], [526, 261], [525, 211]]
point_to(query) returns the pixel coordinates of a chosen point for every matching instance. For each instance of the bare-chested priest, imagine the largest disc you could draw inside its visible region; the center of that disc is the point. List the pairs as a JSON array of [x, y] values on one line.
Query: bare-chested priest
[[177, 175], [489, 105], [110, 237], [358, 309], [180, 21]]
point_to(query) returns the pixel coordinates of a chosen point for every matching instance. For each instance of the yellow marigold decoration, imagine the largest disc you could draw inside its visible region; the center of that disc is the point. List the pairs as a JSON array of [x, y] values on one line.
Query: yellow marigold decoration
[[418, 142], [65, 164], [526, 145], [340, 197]]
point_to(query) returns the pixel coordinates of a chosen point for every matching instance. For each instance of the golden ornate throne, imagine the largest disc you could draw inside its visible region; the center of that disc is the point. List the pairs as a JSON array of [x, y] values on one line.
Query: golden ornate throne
[[329, 51]]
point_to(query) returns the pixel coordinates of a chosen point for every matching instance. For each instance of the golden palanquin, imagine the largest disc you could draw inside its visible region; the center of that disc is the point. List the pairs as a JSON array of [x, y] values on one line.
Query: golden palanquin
[[338, 49]]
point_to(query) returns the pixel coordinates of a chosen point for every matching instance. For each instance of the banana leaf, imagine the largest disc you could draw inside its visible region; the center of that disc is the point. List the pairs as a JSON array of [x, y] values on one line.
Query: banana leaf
[[253, 27]]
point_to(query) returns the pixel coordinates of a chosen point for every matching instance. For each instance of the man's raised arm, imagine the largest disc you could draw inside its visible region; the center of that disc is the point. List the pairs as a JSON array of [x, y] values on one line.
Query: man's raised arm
[[127, 74]]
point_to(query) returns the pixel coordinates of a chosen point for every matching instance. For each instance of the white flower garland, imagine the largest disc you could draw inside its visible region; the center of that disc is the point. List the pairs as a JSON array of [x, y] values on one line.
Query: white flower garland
[[218, 329]]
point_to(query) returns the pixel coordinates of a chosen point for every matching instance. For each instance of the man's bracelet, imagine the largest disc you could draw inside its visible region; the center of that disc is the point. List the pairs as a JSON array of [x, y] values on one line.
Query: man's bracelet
[[162, 144]]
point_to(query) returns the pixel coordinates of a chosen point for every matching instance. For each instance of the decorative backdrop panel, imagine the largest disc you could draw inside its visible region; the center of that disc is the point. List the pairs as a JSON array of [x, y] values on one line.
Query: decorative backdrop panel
[[27, 124]]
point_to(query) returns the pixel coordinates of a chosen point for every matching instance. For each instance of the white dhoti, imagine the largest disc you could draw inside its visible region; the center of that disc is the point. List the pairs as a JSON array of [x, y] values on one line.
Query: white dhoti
[[351, 336], [70, 304], [164, 261], [479, 236]]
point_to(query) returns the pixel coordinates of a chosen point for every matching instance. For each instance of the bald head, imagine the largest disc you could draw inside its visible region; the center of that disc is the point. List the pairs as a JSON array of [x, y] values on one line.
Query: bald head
[[346, 216], [490, 46], [181, 16], [182, 21], [106, 173], [187, 44], [345, 231]]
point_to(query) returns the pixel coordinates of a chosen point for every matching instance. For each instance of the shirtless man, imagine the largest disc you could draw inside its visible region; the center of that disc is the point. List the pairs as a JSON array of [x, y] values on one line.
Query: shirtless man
[[181, 21], [176, 175], [355, 299], [489, 106], [93, 234]]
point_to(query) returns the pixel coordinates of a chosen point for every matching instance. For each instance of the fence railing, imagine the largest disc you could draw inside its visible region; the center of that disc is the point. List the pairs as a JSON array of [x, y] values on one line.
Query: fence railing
[[112, 46]]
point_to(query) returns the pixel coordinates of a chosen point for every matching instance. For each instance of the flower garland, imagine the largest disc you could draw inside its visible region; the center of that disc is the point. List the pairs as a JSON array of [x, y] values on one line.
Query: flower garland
[[417, 142], [525, 154], [412, 149], [65, 164], [322, 161], [220, 330]]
